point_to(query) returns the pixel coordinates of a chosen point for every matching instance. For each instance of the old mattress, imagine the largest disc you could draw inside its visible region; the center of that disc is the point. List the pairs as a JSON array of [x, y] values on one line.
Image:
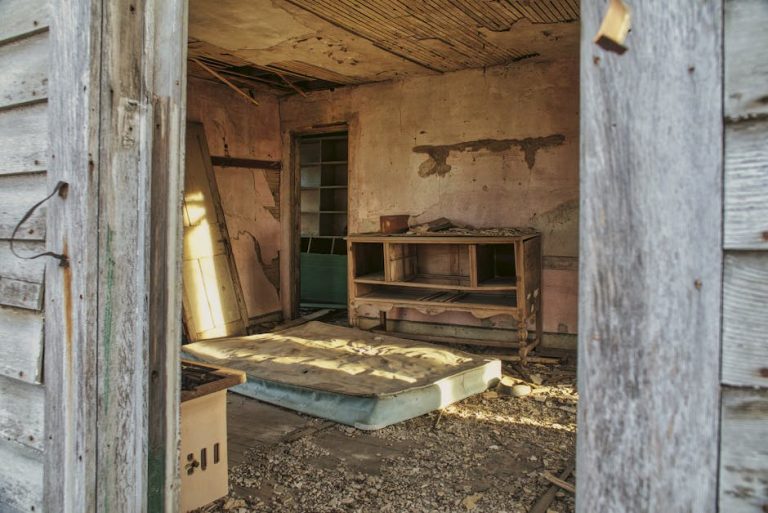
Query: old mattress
[[348, 375]]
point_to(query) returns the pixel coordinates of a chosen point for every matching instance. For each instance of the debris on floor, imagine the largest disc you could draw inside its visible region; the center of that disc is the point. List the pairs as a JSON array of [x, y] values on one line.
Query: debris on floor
[[487, 453]]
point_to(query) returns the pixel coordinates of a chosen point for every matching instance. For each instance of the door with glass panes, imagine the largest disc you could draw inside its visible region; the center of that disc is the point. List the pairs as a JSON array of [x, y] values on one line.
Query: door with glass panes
[[324, 176]]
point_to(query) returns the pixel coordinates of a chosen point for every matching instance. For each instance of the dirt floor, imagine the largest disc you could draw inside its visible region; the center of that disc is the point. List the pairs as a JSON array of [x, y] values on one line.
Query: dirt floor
[[484, 454]]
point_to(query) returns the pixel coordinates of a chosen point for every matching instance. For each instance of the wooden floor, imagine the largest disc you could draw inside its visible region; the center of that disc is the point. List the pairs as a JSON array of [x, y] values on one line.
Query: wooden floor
[[252, 424]]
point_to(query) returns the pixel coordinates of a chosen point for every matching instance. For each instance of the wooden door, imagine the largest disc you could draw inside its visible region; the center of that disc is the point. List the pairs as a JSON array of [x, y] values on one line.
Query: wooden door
[[212, 298]]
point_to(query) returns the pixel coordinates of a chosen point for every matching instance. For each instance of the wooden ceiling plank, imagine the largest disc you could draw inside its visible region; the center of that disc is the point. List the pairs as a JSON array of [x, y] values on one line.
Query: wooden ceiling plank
[[573, 8], [477, 46], [531, 15], [468, 55], [403, 27], [535, 9], [341, 18], [247, 78], [488, 10], [556, 10], [405, 37], [509, 5], [560, 10], [223, 79]]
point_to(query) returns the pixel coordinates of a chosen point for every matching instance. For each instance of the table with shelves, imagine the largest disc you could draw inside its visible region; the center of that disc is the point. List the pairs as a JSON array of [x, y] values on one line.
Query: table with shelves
[[485, 276]]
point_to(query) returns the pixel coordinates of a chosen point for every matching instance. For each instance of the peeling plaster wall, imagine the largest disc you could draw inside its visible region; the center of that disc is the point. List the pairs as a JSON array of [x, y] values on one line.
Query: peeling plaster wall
[[494, 147], [250, 197]]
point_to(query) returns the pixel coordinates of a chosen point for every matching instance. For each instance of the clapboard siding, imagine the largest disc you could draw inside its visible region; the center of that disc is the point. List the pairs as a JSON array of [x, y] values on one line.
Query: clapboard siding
[[21, 477], [25, 77], [21, 344], [17, 194], [21, 281], [21, 412], [19, 18], [23, 139], [746, 183], [24, 61], [746, 58], [744, 458], [745, 319], [744, 416]]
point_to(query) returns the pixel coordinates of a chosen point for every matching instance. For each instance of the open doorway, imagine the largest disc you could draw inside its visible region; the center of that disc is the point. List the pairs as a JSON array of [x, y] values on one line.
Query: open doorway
[[463, 121], [323, 174]]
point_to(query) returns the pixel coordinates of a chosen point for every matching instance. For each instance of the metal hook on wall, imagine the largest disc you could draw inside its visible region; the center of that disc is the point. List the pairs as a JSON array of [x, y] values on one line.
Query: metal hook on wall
[[60, 189], [615, 27]]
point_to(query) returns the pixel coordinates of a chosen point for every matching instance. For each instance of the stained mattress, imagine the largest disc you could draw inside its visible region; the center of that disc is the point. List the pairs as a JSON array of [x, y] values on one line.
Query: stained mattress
[[348, 375]]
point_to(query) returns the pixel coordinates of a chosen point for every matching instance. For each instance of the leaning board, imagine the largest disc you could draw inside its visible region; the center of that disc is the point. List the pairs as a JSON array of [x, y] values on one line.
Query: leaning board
[[348, 375]]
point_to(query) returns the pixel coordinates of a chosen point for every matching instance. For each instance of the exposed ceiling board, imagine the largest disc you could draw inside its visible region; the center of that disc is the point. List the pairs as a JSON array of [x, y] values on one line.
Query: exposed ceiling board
[[306, 39], [340, 42], [443, 35]]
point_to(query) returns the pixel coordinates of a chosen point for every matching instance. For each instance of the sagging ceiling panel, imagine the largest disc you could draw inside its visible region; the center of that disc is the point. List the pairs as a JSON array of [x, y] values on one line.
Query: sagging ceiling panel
[[299, 45]]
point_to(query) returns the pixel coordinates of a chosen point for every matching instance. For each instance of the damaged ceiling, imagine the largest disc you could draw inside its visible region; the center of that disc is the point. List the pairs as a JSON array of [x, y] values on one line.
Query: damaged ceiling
[[289, 46]]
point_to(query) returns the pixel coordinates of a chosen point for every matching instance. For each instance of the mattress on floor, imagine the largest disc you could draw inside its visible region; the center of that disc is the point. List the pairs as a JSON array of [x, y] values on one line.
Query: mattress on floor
[[348, 375]]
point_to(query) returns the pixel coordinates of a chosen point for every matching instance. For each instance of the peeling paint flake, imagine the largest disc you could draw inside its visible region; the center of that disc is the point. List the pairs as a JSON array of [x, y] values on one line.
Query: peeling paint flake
[[437, 161]]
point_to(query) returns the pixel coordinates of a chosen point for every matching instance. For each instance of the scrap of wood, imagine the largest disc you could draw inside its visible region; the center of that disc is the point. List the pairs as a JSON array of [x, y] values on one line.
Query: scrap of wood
[[290, 84], [225, 80], [319, 314], [614, 28], [439, 224], [546, 499], [247, 163], [301, 432], [447, 340], [565, 485], [529, 359]]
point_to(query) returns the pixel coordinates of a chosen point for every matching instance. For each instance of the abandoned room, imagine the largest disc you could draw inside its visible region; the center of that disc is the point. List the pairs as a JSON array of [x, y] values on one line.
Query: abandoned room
[[380, 256], [397, 181], [349, 256]]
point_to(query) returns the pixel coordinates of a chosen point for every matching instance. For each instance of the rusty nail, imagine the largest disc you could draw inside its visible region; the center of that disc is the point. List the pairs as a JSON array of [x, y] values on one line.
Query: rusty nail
[[697, 284], [765, 235]]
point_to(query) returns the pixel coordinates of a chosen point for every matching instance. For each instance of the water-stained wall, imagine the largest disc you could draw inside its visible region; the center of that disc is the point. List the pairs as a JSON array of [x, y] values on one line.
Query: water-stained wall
[[250, 196], [494, 147]]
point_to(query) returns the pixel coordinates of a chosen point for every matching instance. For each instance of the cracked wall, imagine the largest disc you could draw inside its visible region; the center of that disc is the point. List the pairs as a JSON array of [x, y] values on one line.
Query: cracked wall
[[249, 197], [493, 147]]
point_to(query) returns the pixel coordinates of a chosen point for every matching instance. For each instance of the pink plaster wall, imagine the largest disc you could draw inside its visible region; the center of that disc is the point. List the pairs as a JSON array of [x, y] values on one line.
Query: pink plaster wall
[[483, 187]]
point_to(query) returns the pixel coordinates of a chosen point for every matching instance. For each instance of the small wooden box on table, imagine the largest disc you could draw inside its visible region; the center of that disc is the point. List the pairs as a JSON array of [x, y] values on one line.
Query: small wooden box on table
[[485, 275]]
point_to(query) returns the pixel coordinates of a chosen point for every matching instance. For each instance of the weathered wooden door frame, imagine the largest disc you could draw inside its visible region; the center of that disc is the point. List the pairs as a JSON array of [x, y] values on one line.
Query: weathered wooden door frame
[[116, 132], [291, 275], [117, 88], [651, 174]]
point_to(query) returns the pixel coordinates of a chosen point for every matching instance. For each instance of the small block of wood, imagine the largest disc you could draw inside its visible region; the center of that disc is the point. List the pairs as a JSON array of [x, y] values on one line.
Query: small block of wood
[[565, 485]]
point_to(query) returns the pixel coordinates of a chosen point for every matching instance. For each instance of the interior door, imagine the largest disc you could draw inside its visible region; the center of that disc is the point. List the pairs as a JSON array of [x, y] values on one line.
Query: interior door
[[212, 297]]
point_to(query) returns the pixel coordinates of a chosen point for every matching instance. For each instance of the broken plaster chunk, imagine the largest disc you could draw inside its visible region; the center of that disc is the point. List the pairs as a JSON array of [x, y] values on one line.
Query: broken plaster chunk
[[470, 501], [521, 390]]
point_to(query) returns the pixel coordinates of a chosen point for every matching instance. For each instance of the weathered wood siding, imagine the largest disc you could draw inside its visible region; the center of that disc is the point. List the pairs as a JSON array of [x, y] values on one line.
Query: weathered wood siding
[[23, 161], [650, 261], [744, 416]]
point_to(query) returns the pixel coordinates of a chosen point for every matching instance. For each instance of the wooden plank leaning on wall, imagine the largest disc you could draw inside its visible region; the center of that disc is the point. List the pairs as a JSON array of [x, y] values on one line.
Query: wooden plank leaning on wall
[[651, 261], [743, 450], [112, 330]]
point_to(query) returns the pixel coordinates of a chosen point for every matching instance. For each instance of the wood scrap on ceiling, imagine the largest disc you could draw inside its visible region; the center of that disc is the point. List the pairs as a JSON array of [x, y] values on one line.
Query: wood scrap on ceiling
[[282, 77], [441, 35]]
